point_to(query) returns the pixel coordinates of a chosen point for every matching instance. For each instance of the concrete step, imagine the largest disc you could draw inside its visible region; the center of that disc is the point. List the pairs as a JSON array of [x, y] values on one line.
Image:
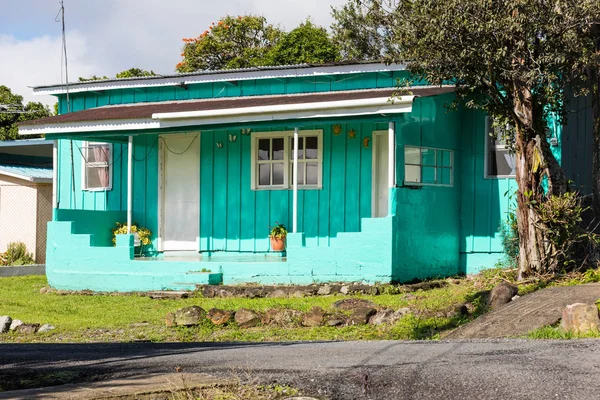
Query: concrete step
[[169, 294]]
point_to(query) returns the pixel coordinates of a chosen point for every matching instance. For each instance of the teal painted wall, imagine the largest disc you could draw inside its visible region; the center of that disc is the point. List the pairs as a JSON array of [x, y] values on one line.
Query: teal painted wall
[[251, 87], [485, 201], [427, 218]]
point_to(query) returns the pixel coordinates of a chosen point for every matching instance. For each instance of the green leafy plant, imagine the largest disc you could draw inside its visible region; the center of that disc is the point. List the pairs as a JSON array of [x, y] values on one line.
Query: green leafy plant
[[509, 236], [278, 231], [143, 233], [16, 255]]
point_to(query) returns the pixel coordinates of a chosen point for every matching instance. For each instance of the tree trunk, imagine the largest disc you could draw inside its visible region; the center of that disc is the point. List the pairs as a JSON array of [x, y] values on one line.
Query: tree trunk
[[534, 161]]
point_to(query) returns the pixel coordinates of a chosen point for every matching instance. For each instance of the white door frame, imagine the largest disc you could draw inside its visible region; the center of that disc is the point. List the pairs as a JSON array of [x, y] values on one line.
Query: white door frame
[[377, 137], [161, 184]]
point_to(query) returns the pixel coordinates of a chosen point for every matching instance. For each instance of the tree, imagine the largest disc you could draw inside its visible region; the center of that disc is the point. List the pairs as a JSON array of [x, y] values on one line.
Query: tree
[[13, 111], [308, 43], [233, 42], [510, 58], [135, 73], [358, 31], [128, 73]]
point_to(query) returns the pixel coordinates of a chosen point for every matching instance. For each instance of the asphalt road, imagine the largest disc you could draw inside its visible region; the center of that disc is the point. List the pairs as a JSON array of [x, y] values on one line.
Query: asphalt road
[[486, 369]]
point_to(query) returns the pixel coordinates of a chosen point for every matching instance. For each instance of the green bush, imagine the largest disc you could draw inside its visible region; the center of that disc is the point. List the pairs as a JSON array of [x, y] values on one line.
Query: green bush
[[16, 255]]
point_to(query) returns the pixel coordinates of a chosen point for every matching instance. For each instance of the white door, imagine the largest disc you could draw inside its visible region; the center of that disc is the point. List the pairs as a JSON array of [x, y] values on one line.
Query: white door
[[181, 192], [380, 174]]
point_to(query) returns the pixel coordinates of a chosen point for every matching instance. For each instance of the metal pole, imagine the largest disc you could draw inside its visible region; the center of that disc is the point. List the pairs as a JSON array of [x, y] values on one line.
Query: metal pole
[[129, 182], [295, 181], [392, 154]]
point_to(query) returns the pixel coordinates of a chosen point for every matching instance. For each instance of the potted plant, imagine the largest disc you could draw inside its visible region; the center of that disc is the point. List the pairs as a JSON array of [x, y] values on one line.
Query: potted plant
[[277, 236], [141, 236]]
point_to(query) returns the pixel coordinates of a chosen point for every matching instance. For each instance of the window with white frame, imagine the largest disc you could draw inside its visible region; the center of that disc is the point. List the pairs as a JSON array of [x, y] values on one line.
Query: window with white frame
[[428, 166], [273, 160], [500, 162], [97, 166]]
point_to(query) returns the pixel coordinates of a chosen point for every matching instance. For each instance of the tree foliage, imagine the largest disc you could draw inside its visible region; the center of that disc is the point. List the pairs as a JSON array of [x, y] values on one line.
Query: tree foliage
[[134, 73], [359, 31], [308, 43], [128, 73], [233, 42], [13, 111], [512, 59]]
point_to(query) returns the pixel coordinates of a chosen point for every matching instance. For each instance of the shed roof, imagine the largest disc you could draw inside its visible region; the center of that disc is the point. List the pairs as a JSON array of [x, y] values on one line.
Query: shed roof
[[225, 75], [29, 174]]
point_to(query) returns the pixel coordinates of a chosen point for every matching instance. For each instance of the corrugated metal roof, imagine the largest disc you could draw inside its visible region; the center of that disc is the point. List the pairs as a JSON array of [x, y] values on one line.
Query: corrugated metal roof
[[31, 174], [25, 142], [224, 75], [146, 110]]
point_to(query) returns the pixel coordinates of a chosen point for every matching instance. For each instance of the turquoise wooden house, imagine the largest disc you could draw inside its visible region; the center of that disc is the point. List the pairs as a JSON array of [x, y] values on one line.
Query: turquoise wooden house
[[372, 187]]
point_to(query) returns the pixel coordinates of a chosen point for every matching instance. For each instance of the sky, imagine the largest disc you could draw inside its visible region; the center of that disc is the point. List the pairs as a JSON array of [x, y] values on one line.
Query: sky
[[108, 36]]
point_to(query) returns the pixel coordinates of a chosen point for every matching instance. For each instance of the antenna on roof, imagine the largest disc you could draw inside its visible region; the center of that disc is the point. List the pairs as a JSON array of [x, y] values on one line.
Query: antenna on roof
[[60, 17]]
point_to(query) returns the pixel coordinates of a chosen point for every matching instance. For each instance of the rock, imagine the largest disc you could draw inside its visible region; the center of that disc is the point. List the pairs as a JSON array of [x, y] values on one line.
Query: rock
[[580, 317], [297, 294], [361, 316], [337, 319], [501, 294], [384, 316], [5, 322], [27, 328], [516, 296], [352, 303], [400, 313], [225, 293], [246, 318], [15, 323], [314, 317], [324, 290], [282, 317], [345, 289], [253, 293], [208, 291], [170, 319], [277, 294], [189, 316], [46, 328], [219, 317]]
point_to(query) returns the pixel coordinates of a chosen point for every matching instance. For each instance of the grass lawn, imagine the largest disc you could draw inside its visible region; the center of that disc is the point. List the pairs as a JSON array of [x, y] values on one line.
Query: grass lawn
[[98, 318]]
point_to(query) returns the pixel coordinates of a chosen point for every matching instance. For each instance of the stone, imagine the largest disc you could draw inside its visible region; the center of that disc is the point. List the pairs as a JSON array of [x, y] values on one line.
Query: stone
[[515, 297], [189, 316], [5, 322], [246, 318], [225, 293], [253, 293], [501, 294], [580, 318], [361, 316], [324, 290], [352, 303], [315, 317], [27, 328], [170, 319], [277, 294], [384, 316], [218, 316], [345, 289], [336, 319], [282, 317], [400, 313], [297, 294], [15, 323], [46, 328]]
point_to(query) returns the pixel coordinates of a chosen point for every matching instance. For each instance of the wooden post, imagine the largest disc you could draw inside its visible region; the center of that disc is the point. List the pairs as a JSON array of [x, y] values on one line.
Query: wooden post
[[295, 182], [129, 182]]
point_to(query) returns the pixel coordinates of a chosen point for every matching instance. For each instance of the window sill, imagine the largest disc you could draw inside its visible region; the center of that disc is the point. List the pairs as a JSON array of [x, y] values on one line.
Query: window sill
[[290, 188], [96, 189]]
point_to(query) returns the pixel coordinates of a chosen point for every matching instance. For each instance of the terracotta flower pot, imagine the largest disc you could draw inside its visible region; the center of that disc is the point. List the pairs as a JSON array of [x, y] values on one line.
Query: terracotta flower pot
[[277, 244]]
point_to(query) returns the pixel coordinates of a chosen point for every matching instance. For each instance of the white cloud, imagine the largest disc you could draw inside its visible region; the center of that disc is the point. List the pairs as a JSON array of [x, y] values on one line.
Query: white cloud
[[113, 35]]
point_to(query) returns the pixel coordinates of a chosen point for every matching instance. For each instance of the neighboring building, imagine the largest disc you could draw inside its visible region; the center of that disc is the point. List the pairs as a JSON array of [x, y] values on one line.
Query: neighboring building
[[25, 194], [386, 190]]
